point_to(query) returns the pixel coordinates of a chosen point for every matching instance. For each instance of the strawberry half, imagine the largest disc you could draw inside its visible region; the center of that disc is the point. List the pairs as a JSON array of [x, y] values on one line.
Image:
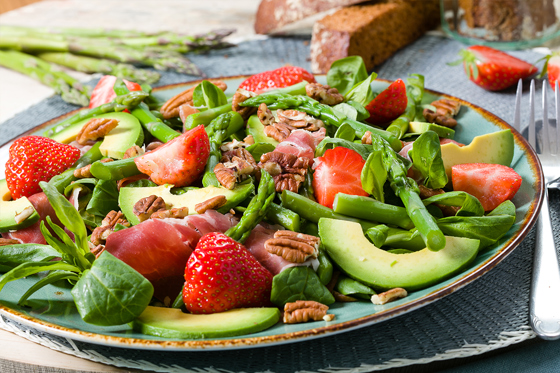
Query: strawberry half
[[338, 171], [279, 78], [552, 68], [492, 69], [388, 105], [103, 92], [221, 275], [179, 162], [33, 159]]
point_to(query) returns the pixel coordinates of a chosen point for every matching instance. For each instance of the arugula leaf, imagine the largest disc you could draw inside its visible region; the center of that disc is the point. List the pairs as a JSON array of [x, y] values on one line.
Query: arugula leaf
[[426, 158], [362, 92], [470, 205], [299, 283], [13, 255], [346, 73], [208, 95], [111, 292], [374, 175], [31, 268], [349, 286], [330, 143]]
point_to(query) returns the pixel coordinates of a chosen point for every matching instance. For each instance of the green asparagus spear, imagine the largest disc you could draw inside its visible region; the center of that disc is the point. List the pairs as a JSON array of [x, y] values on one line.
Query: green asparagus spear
[[206, 116], [114, 170]]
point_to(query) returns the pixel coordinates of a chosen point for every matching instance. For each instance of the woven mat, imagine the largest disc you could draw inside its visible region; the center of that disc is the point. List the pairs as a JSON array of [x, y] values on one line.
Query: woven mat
[[489, 314]]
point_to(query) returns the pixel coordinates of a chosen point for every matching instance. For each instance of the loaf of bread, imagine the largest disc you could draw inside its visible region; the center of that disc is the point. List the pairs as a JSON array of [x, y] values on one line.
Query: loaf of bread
[[374, 31]]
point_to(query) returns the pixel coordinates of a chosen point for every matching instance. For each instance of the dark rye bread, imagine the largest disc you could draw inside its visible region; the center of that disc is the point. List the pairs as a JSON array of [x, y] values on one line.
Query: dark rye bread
[[374, 32]]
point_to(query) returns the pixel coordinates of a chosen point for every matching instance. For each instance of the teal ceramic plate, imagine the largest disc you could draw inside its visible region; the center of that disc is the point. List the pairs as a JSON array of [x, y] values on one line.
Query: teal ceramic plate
[[53, 310]]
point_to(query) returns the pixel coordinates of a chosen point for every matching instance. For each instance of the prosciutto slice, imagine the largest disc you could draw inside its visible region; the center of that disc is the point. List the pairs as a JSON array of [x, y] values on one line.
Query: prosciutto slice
[[301, 143]]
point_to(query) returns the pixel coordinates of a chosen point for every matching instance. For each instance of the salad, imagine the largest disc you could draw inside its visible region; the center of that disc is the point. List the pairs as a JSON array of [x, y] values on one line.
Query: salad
[[210, 216]]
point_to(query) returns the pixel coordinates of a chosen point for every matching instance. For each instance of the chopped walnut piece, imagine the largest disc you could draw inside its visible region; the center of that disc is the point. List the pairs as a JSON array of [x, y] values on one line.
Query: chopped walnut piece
[[171, 107], [210, 204], [240, 96], [293, 246], [293, 169], [324, 94], [146, 206], [133, 151], [426, 192], [388, 296], [85, 172], [445, 111], [100, 234], [96, 128], [8, 241], [304, 311], [153, 146], [366, 138], [174, 213]]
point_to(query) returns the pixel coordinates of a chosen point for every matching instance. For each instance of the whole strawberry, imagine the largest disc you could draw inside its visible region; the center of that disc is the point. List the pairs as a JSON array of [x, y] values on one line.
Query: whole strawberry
[[279, 78], [388, 105], [492, 69], [33, 159], [221, 275]]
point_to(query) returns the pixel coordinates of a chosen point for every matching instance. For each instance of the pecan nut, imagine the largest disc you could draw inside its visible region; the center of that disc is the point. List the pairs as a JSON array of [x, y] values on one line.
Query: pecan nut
[[388, 296], [133, 151], [226, 176], [85, 172], [299, 120], [265, 115], [8, 241], [146, 206], [426, 192], [153, 146], [100, 234], [366, 138], [324, 94], [287, 170], [97, 250], [174, 213], [240, 96], [96, 128], [235, 165], [210, 204], [445, 111], [304, 311], [234, 144], [278, 131], [171, 107], [293, 246]]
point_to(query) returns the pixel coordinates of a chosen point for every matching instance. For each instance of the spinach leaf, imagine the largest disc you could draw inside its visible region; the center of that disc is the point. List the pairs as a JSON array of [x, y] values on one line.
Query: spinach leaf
[[104, 198], [362, 113], [346, 73], [49, 279], [325, 269], [343, 111], [426, 158], [374, 175], [111, 292], [362, 92], [505, 208], [13, 255], [345, 132], [349, 286], [208, 95], [31, 268], [488, 229], [330, 143], [470, 205], [415, 88], [260, 148], [299, 283]]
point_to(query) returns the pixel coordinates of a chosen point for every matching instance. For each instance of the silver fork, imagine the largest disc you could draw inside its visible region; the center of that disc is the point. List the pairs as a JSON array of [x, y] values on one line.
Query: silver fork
[[544, 303]]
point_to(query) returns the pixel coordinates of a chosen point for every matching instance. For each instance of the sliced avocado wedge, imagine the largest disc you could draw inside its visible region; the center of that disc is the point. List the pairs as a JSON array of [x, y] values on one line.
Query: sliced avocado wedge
[[421, 127], [128, 133], [256, 129], [347, 246], [5, 194], [173, 323], [129, 196], [495, 148], [9, 211]]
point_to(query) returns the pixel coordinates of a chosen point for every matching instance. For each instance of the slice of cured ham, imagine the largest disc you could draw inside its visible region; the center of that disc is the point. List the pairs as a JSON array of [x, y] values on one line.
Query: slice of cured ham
[[301, 143]]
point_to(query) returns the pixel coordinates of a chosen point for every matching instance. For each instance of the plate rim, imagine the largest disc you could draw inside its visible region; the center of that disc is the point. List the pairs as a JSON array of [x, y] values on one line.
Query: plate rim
[[311, 333]]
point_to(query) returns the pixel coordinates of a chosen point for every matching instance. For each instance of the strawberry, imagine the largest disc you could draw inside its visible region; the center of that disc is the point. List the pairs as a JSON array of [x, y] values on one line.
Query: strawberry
[[103, 92], [33, 159], [388, 105], [179, 162], [279, 78], [492, 69], [338, 171], [552, 68], [221, 274], [492, 184]]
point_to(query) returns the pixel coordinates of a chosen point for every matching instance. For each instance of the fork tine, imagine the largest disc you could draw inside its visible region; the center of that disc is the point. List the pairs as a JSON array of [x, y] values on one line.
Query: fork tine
[[532, 141], [545, 139], [517, 112], [557, 118]]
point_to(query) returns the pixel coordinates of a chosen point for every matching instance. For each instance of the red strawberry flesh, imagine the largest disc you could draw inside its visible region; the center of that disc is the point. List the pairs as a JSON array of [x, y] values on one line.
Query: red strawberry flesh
[[283, 77], [388, 105]]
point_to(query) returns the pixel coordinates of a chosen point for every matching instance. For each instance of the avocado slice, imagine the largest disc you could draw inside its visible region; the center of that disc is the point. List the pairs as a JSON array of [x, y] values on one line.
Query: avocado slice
[[128, 196], [9, 210], [256, 129], [5, 194], [494, 148], [361, 260], [128, 133], [173, 323], [421, 127]]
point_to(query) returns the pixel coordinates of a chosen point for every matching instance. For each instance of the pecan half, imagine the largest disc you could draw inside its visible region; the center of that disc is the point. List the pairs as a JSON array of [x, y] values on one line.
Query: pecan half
[[265, 115], [388, 296], [127, 180], [445, 111], [293, 246], [426, 192], [235, 165], [324, 94], [174, 213], [153, 145], [171, 107], [85, 172], [278, 131], [97, 250], [95, 128], [100, 234], [299, 120], [339, 297], [240, 96], [146, 206], [287, 170], [226, 176], [8, 241], [210, 204], [305, 310], [133, 151]]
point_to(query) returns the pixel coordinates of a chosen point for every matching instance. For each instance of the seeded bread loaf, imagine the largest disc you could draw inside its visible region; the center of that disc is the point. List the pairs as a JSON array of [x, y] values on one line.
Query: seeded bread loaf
[[373, 31]]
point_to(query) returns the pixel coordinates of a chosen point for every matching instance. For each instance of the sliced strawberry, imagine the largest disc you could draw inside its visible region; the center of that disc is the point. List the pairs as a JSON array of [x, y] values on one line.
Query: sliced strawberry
[[103, 92], [179, 162], [33, 159], [388, 105], [552, 68], [492, 184], [492, 69], [221, 275], [338, 171], [279, 78]]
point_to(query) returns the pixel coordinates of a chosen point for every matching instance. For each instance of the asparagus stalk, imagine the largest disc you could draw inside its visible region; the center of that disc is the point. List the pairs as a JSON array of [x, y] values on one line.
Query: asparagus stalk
[[69, 88], [93, 65]]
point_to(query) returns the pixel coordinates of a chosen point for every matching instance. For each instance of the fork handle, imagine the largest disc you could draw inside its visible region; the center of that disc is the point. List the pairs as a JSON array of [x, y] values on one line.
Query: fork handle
[[544, 305]]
